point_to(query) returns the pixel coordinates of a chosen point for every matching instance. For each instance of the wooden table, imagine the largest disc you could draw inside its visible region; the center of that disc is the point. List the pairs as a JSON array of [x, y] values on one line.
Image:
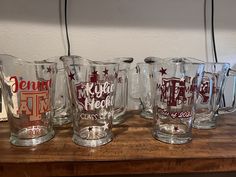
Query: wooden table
[[133, 151]]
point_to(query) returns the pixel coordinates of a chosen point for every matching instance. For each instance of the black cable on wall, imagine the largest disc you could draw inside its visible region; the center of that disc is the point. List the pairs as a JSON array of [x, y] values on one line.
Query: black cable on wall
[[66, 28], [213, 30], [213, 40]]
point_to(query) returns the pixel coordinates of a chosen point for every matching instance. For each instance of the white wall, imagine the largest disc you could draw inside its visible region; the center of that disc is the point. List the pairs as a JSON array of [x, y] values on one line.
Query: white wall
[[103, 29]]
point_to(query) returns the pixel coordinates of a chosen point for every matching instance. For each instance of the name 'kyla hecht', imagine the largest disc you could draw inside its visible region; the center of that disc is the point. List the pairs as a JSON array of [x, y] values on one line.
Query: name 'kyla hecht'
[[29, 85]]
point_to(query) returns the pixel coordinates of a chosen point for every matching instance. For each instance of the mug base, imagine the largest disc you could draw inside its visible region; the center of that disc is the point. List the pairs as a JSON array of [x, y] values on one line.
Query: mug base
[[119, 116], [205, 121], [59, 121], [146, 115], [20, 141], [171, 139], [204, 125], [118, 120], [87, 138]]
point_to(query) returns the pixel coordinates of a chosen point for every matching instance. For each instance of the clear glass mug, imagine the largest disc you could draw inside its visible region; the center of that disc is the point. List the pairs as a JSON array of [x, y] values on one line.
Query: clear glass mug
[[175, 85], [28, 91], [121, 99], [141, 86], [92, 88], [228, 98], [217, 95], [144, 74], [144, 81], [62, 105], [3, 114], [210, 94]]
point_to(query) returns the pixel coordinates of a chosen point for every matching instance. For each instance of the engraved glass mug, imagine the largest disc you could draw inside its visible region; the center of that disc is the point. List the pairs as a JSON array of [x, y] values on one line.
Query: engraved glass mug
[[92, 87], [28, 91], [175, 85], [121, 99], [210, 94]]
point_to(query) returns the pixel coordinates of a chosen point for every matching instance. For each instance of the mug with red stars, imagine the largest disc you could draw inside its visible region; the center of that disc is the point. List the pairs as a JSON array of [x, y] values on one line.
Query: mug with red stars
[[92, 87], [210, 93], [175, 89], [28, 91]]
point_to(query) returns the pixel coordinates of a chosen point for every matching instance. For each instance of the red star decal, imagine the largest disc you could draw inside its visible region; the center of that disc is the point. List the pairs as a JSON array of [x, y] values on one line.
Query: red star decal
[[120, 80], [162, 71], [150, 75], [49, 69], [116, 74], [94, 72], [137, 69], [176, 128], [71, 76], [94, 76], [105, 71]]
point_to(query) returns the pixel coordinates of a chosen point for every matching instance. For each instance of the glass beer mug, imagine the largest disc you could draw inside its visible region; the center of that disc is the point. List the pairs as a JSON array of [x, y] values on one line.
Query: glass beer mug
[[28, 91], [210, 93], [62, 105], [92, 88], [228, 98], [141, 86], [145, 74], [121, 98], [175, 92], [216, 96]]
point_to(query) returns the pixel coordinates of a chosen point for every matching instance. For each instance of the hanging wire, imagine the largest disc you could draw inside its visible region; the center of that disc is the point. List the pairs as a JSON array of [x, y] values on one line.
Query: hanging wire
[[66, 28], [213, 39], [205, 28], [213, 30]]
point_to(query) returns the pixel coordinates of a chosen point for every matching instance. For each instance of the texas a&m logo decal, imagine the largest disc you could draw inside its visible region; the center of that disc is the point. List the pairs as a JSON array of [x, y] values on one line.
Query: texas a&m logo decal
[[34, 97], [175, 93]]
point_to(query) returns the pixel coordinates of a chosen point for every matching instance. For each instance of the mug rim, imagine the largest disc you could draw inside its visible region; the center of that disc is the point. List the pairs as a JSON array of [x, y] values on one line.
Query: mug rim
[[17, 60]]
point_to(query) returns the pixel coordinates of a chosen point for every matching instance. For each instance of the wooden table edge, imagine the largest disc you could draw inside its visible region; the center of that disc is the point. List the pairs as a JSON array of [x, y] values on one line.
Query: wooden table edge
[[122, 167]]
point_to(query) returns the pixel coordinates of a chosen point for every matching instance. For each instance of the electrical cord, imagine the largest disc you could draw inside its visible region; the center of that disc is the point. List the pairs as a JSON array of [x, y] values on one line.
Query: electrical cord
[[212, 26], [66, 28], [213, 30], [213, 39], [205, 27]]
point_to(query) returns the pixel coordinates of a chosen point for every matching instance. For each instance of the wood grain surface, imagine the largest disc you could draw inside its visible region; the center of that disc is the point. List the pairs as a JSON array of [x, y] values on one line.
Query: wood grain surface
[[133, 151]]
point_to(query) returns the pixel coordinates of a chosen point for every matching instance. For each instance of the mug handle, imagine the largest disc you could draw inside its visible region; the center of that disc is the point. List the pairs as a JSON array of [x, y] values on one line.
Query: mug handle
[[232, 108]]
